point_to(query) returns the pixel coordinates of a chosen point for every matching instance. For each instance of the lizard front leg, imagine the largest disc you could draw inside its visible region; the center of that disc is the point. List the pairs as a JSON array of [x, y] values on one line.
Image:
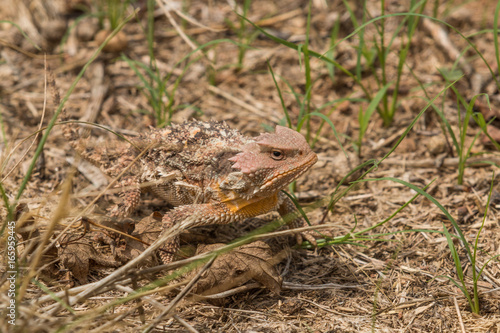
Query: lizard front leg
[[194, 215], [130, 196], [227, 211], [286, 209]]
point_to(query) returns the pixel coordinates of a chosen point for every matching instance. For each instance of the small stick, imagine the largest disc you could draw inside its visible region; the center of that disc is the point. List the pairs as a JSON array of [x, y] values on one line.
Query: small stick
[[180, 296], [239, 102], [443, 40], [160, 306], [459, 315]]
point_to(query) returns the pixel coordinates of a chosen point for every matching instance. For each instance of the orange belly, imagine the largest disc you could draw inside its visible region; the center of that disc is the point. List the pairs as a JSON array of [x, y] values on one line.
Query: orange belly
[[251, 207]]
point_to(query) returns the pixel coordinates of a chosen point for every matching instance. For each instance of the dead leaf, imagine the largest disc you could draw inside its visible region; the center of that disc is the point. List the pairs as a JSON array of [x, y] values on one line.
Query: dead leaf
[[248, 262], [147, 230], [110, 230], [77, 255]]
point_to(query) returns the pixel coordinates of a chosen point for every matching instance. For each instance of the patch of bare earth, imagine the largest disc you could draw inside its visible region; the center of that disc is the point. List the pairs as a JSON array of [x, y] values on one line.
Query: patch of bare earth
[[398, 284]]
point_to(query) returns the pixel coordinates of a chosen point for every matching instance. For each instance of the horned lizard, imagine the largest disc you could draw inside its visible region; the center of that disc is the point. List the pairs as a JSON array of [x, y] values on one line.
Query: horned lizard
[[206, 170]]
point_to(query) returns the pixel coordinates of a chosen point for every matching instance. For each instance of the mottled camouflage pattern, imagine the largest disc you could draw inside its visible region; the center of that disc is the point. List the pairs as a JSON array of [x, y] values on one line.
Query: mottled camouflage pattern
[[207, 170]]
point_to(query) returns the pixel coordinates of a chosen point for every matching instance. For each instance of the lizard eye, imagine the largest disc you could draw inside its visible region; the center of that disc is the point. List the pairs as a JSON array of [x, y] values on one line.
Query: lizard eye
[[277, 154]]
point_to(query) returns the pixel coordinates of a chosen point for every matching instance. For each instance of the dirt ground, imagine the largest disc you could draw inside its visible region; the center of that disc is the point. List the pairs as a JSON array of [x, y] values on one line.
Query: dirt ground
[[397, 284]]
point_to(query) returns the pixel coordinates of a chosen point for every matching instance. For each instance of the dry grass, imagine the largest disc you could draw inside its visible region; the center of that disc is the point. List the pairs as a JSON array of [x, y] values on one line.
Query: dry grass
[[386, 286]]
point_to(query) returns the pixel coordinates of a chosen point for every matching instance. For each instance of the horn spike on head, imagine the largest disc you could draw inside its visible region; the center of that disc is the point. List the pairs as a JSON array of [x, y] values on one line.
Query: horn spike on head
[[274, 160]]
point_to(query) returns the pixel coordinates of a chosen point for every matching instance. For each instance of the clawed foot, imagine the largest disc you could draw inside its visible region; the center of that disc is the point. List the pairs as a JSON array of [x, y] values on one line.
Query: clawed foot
[[312, 235]]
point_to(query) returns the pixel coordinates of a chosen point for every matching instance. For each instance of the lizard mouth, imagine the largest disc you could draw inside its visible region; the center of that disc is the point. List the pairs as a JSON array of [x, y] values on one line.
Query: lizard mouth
[[290, 174]]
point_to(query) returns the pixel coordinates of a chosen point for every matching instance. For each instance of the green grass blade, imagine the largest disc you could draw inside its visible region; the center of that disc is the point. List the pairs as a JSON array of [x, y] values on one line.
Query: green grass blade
[[2, 129], [454, 255], [486, 264], [54, 297], [375, 163], [433, 200], [414, 121], [314, 54], [412, 25], [475, 277], [336, 101], [371, 108], [308, 86], [23, 33], [395, 213], [325, 118], [334, 197], [10, 210], [495, 34], [285, 111], [462, 288], [479, 119], [447, 125], [295, 94], [150, 4], [330, 54], [134, 66], [298, 206]]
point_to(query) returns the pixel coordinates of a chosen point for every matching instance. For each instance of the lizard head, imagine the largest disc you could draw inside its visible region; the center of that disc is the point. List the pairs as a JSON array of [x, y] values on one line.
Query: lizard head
[[274, 160]]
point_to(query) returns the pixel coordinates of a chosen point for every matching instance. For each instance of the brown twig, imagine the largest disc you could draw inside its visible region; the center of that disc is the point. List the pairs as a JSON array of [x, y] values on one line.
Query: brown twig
[[459, 315], [180, 296]]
